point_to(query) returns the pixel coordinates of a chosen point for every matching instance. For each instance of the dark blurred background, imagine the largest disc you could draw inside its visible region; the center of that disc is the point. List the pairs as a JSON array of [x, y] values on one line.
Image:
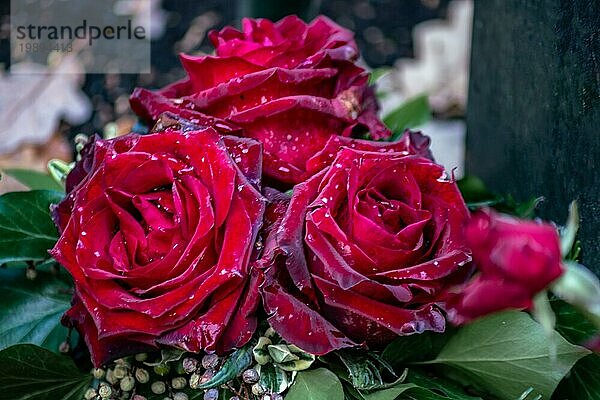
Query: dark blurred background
[[383, 32]]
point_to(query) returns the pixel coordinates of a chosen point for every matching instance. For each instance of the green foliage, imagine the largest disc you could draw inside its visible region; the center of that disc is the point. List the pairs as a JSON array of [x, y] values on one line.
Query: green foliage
[[412, 113], [421, 347], [237, 362], [33, 179], [378, 73], [506, 353], [583, 382], [26, 229], [30, 310], [317, 384], [28, 372], [362, 370]]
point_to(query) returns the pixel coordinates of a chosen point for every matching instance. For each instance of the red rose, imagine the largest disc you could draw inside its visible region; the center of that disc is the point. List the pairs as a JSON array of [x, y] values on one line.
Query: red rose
[[158, 235], [287, 84], [516, 260], [364, 251]]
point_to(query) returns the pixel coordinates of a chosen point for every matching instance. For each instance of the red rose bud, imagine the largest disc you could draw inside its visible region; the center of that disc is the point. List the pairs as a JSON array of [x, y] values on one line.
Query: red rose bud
[[288, 84], [364, 251], [516, 259], [157, 232]]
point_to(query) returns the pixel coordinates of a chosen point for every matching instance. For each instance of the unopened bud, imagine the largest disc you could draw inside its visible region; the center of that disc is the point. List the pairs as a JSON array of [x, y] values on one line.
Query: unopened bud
[[127, 384], [194, 381], [90, 394], [138, 397], [178, 383], [125, 396], [210, 361], [162, 369], [31, 273], [110, 377], [211, 394], [250, 376], [180, 396], [190, 364], [64, 347], [120, 372], [158, 387], [104, 391], [142, 375], [257, 389], [98, 373], [141, 357], [207, 376]]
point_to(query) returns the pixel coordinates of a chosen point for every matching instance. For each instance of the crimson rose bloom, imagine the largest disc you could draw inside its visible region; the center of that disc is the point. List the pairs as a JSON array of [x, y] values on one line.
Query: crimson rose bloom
[[516, 259], [364, 251], [287, 84], [158, 232]]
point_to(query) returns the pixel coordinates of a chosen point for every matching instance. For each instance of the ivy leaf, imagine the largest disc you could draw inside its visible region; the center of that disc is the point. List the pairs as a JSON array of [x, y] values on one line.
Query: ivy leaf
[[238, 361], [273, 378], [506, 353], [26, 229], [317, 384], [28, 372], [30, 310], [410, 114], [450, 389], [34, 180]]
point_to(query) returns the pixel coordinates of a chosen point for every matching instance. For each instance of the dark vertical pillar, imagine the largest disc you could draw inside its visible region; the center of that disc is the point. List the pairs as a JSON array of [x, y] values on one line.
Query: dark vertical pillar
[[534, 106]]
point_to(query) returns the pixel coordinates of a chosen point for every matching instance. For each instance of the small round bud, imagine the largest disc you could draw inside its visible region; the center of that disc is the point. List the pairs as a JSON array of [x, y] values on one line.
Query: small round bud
[[64, 347], [125, 396], [120, 372], [90, 394], [142, 375], [207, 376], [98, 373], [180, 396], [127, 384], [257, 389], [210, 361], [162, 369], [138, 397], [266, 397], [158, 387], [194, 381], [211, 394], [141, 357], [190, 364], [178, 383], [250, 376], [104, 391], [276, 396], [110, 377], [31, 273]]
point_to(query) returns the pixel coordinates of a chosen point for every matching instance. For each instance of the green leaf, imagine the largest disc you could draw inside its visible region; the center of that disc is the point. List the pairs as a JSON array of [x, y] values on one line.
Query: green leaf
[[317, 384], [304, 360], [569, 232], [412, 113], [450, 389], [581, 288], [273, 378], [237, 362], [59, 170], [583, 382], [378, 73], [363, 370], [421, 347], [26, 229], [506, 353], [30, 310], [34, 180], [390, 393], [28, 372]]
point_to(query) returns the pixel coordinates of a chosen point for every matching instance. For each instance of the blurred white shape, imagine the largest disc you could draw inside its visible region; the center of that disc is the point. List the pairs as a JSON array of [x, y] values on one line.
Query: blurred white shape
[[447, 144], [35, 98], [441, 64], [146, 13]]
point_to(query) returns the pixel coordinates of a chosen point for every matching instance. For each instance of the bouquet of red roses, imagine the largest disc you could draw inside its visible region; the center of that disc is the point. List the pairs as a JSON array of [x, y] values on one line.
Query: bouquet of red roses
[[269, 237]]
